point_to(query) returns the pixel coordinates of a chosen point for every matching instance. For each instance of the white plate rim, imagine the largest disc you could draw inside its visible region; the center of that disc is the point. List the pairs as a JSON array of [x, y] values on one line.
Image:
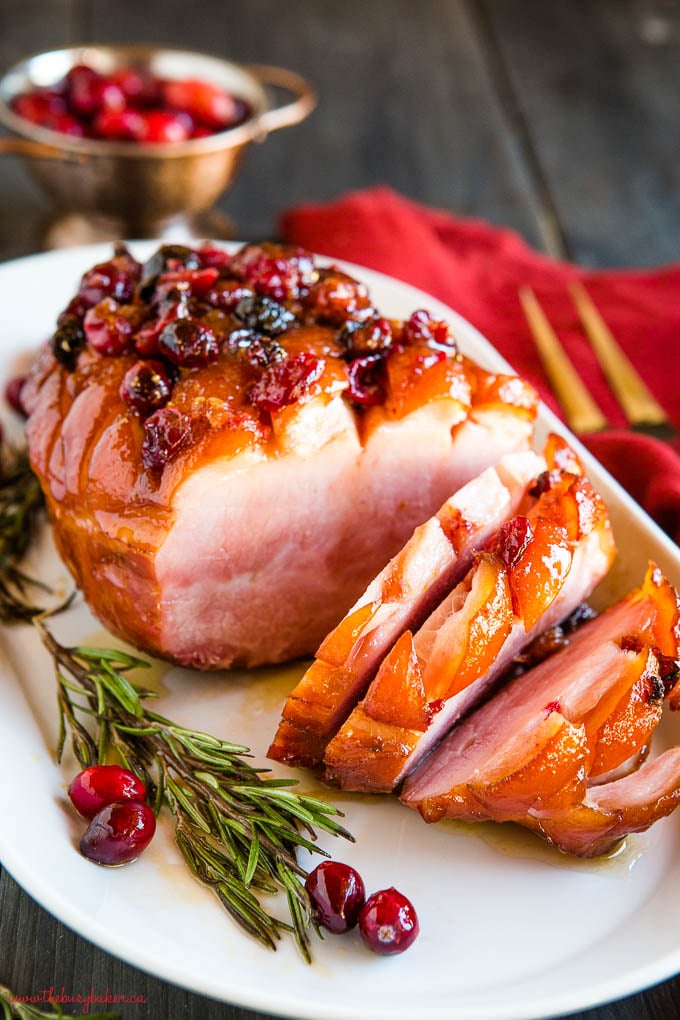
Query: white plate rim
[[266, 1000]]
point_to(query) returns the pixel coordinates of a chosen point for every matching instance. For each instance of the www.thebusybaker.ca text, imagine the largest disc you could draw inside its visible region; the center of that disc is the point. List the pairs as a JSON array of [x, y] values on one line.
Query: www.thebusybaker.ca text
[[84, 1000]]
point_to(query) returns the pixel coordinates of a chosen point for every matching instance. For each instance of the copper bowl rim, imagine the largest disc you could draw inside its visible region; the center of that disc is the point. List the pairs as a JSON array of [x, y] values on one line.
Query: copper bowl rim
[[256, 127]]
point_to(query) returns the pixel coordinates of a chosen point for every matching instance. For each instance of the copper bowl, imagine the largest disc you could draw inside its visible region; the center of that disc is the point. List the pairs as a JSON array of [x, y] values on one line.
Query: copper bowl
[[125, 189]]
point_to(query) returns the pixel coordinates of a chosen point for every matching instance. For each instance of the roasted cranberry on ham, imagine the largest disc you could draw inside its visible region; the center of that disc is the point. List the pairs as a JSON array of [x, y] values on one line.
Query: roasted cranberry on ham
[[337, 297], [287, 381], [146, 387], [188, 343], [422, 328], [226, 294], [116, 278], [363, 339], [264, 315], [279, 271], [367, 380], [511, 541], [109, 327], [166, 433]]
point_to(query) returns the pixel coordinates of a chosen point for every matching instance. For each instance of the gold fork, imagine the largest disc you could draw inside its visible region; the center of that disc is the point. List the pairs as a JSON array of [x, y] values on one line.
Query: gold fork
[[642, 411]]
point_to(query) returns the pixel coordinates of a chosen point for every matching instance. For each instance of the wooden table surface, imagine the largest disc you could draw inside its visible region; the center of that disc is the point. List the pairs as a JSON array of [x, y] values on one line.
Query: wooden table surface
[[559, 119]]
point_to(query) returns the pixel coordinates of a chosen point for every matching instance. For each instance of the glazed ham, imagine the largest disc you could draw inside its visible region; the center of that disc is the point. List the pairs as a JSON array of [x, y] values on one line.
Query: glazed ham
[[403, 594], [539, 567], [558, 748], [231, 447]]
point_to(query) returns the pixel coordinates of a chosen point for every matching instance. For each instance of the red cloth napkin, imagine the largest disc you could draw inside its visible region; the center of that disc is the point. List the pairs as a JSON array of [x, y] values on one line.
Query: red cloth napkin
[[477, 269]]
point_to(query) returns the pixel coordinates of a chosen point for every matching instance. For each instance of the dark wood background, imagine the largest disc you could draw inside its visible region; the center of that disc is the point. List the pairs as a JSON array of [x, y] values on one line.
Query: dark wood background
[[557, 118]]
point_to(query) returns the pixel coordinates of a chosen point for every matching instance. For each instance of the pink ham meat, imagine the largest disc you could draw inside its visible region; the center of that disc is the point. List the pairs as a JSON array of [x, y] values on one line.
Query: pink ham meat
[[539, 568], [284, 494], [557, 749], [438, 553]]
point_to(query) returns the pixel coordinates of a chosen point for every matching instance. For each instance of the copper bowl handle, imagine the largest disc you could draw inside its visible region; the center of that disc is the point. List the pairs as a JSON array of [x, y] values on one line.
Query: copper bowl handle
[[36, 150], [290, 113]]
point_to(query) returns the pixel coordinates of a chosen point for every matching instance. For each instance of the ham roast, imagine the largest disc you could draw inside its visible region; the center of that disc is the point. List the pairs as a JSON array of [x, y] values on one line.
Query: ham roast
[[230, 447]]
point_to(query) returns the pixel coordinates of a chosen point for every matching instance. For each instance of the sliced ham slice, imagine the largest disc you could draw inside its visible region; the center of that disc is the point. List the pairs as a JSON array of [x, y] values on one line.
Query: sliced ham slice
[[612, 811], [438, 553], [539, 568]]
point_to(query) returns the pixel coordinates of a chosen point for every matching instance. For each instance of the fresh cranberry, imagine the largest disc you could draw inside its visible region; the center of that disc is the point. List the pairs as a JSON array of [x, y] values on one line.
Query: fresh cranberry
[[13, 393], [146, 387], [116, 278], [277, 270], [99, 785], [207, 103], [166, 433], [118, 833], [38, 106], [422, 328], [138, 87], [286, 382], [388, 922], [511, 540], [189, 343], [88, 91], [156, 126], [65, 124], [107, 330], [337, 894], [118, 125], [367, 380], [201, 131]]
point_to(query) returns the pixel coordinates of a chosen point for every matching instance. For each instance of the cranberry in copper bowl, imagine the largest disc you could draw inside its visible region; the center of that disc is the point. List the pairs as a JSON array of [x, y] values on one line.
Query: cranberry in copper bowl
[[142, 135]]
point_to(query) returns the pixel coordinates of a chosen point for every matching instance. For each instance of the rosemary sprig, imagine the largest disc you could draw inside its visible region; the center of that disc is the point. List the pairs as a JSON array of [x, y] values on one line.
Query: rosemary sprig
[[237, 830], [20, 504], [14, 1007]]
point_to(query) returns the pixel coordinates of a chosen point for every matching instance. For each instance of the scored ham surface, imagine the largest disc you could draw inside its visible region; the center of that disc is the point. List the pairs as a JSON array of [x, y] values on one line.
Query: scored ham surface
[[404, 593], [539, 567], [302, 457], [558, 748]]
